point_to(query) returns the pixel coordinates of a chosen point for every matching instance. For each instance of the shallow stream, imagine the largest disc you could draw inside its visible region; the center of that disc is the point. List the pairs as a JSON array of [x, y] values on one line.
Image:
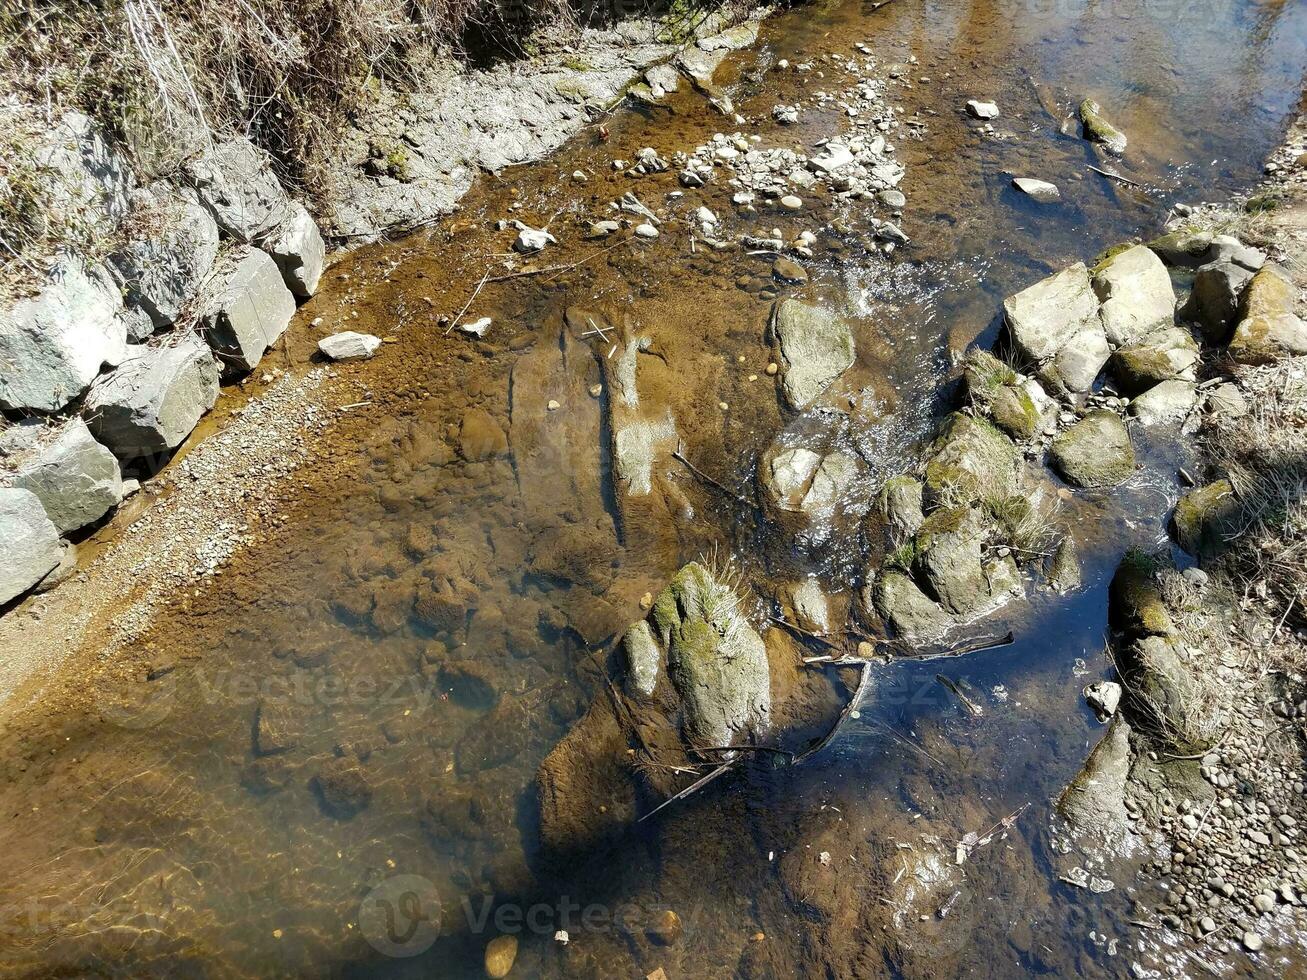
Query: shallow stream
[[439, 607]]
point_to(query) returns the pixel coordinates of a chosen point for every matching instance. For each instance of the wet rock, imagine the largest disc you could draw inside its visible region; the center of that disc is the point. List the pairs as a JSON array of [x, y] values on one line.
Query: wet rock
[[1135, 603], [296, 245], [343, 789], [810, 606], [76, 479], [1093, 805], [1038, 190], [969, 460], [30, 542], [1136, 294], [1064, 567], [731, 39], [154, 399], [1164, 355], [480, 436], [54, 343], [235, 182], [716, 660], [816, 347], [276, 729], [1204, 518], [1103, 697], [1095, 453], [1168, 402], [1099, 130], [948, 553], [892, 199], [1268, 329], [1184, 247], [247, 309], [902, 604], [501, 954], [349, 346], [532, 239], [666, 928], [801, 481], [643, 660], [700, 65], [1054, 324], [900, 502], [162, 268], [1018, 408], [1213, 303], [470, 683], [788, 271], [982, 110]]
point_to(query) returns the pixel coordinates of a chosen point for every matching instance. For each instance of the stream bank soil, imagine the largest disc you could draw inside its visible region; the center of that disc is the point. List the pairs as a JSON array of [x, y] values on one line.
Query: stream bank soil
[[367, 690]]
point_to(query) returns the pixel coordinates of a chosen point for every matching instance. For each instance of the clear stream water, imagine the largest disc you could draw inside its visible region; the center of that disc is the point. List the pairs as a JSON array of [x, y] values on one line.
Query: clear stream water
[[436, 610]]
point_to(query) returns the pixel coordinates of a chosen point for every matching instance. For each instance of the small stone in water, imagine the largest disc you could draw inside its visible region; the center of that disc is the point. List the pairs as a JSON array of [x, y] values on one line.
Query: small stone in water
[[1252, 942], [553, 406], [646, 231], [772, 369], [1041, 190], [982, 110], [476, 327], [791, 202], [500, 955], [786, 270]]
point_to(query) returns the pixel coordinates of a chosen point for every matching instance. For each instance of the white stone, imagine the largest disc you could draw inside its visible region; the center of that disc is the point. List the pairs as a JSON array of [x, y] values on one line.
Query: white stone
[[349, 346], [982, 110], [1039, 190], [646, 230]]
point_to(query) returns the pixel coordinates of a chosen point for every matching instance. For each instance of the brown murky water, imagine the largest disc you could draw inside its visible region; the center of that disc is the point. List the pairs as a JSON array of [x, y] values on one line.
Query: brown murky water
[[322, 764]]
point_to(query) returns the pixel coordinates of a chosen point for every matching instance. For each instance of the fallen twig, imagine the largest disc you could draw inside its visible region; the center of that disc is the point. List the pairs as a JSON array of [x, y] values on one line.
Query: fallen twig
[[475, 293], [1108, 173], [782, 621], [678, 455], [864, 681], [694, 787]]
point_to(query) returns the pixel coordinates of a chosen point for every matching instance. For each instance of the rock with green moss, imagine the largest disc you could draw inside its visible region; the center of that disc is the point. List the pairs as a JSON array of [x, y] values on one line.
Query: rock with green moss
[[1170, 353], [971, 459], [1268, 329], [1204, 517], [997, 389], [900, 502], [1136, 294], [1093, 804], [948, 558], [902, 604], [1135, 606], [1099, 130], [716, 660], [1184, 247], [1095, 453], [985, 375], [1064, 567]]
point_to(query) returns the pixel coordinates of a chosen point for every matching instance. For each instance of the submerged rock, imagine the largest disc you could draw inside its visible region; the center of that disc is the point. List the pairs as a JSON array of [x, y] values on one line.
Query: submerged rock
[[30, 542], [77, 479], [1064, 567], [1099, 130], [1093, 805], [1136, 294], [1095, 453], [343, 789], [1268, 329], [1038, 190], [53, 344], [816, 347]]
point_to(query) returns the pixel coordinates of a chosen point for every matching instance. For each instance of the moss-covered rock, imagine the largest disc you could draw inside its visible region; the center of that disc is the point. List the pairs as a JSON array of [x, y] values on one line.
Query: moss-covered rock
[[1268, 329], [1099, 130], [948, 558], [970, 459], [1095, 453], [1064, 567], [1135, 605], [1170, 353], [900, 502], [1093, 804], [1165, 696], [995, 388], [1203, 517], [902, 604]]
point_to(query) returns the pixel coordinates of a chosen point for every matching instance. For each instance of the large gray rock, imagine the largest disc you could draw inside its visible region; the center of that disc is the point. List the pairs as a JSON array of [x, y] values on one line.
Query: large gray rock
[[1164, 355], [717, 661], [30, 542], [76, 479], [248, 308], [296, 246], [948, 555], [1213, 302], [152, 402], [53, 344], [87, 180], [161, 266], [1093, 805], [1136, 294], [1269, 329], [1054, 325], [1170, 401], [970, 460], [816, 347], [902, 604], [1095, 453], [235, 182]]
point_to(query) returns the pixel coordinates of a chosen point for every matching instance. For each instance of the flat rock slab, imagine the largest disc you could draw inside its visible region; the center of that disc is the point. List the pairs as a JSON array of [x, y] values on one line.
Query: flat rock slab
[[816, 347], [1170, 401], [1095, 453], [248, 309], [1039, 190], [54, 344], [76, 479], [349, 346], [30, 542], [153, 401]]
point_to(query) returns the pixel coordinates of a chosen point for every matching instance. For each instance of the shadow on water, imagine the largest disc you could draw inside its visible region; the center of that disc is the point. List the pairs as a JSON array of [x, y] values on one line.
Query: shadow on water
[[370, 695]]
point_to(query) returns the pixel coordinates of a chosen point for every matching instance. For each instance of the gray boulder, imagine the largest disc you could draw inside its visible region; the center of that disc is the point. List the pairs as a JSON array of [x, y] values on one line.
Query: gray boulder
[[901, 503], [1227, 248], [1269, 329], [816, 347], [1054, 325], [948, 555], [1093, 805], [1213, 302], [969, 460], [235, 182], [53, 344], [1170, 401], [137, 324], [296, 246], [86, 178], [1166, 354], [1136, 294], [30, 542], [162, 267], [717, 661], [76, 479], [349, 346], [247, 310], [152, 402], [1095, 453], [902, 604]]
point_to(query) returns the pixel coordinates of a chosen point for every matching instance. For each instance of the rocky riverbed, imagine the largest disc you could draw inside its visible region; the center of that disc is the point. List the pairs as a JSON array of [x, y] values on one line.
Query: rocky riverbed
[[716, 524]]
